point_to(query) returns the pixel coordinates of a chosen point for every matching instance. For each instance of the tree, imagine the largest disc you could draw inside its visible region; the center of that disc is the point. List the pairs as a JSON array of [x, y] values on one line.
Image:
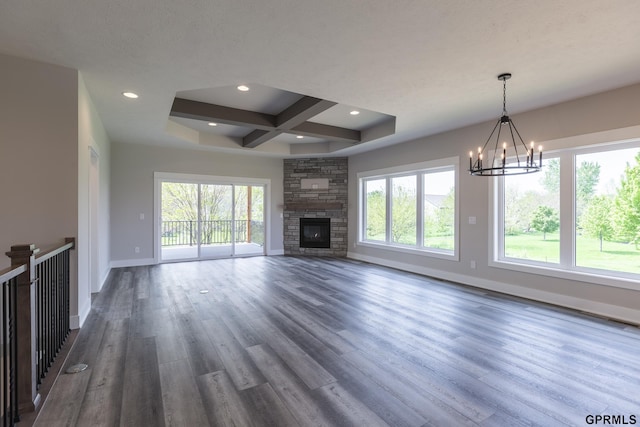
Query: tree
[[518, 208], [596, 219], [445, 215], [439, 220], [626, 213], [551, 178], [587, 177], [376, 215], [180, 205], [403, 215], [545, 220]]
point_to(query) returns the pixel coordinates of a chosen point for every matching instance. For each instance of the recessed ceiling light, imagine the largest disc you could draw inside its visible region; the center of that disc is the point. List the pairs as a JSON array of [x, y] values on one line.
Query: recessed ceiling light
[[299, 136], [354, 112], [243, 88], [212, 124], [131, 95]]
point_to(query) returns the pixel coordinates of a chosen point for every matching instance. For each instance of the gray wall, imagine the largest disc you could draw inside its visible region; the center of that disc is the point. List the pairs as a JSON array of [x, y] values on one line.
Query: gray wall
[[38, 157], [604, 112], [132, 188]]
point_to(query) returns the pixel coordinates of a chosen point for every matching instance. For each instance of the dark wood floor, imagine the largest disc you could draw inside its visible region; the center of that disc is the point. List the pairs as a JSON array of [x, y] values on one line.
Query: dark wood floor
[[285, 341]]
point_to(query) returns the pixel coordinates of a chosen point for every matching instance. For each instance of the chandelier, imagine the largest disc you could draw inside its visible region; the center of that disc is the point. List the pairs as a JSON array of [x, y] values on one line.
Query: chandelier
[[515, 158]]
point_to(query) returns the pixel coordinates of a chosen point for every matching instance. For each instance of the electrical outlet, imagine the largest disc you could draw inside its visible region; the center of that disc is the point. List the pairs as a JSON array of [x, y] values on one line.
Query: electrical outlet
[[137, 249], [472, 264]]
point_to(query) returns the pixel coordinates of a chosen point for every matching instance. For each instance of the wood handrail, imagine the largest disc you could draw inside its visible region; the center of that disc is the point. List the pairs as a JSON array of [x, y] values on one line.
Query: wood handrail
[[9, 273], [70, 243]]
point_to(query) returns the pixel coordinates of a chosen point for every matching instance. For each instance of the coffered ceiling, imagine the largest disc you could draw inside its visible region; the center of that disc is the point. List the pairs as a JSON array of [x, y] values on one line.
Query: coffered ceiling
[[412, 68], [285, 121]]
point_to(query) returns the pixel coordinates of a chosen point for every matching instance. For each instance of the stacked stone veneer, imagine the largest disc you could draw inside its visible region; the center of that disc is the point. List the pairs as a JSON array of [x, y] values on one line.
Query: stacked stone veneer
[[315, 203]]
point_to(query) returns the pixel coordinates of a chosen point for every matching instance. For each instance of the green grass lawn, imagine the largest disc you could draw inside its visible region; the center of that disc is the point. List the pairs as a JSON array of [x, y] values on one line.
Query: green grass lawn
[[531, 246], [614, 256]]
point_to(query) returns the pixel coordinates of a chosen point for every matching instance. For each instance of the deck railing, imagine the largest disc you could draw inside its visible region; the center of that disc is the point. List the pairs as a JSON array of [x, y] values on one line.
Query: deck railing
[[185, 233], [35, 323]]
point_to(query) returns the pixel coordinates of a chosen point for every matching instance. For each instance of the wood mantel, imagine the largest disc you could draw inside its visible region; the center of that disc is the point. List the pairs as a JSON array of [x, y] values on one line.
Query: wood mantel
[[315, 206]]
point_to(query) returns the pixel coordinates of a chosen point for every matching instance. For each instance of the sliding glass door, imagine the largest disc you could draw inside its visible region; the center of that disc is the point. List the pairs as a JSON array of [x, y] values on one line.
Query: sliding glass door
[[202, 220], [249, 219], [216, 221], [179, 221]]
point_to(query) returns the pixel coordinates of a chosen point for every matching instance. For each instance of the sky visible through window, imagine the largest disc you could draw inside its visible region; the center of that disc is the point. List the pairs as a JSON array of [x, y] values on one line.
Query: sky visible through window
[[613, 164]]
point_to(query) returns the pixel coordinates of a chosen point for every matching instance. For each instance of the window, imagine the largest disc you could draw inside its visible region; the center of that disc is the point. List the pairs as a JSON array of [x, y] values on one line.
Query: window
[[412, 208], [607, 200], [439, 209], [403, 210], [579, 217], [531, 227], [375, 209]]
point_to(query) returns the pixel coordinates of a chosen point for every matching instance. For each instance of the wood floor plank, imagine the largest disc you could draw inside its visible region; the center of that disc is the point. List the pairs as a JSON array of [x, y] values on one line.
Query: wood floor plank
[[376, 396], [348, 410], [93, 413], [235, 359], [307, 369], [64, 403], [222, 403], [142, 391], [181, 399], [415, 396], [203, 356], [108, 369], [289, 387], [267, 408]]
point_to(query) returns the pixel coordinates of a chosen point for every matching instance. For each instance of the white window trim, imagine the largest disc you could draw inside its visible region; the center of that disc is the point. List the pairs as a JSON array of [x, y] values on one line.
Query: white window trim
[[567, 149], [449, 163]]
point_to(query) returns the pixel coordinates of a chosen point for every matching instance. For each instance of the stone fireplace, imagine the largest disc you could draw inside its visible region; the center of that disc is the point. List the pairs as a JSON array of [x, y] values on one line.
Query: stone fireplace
[[315, 206]]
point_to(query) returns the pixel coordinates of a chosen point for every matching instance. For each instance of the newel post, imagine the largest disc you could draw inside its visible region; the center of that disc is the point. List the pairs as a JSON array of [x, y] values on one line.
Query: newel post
[[28, 397]]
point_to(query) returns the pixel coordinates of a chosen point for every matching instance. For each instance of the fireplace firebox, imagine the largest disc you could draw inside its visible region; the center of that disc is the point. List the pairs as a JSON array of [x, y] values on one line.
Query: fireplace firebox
[[315, 232]]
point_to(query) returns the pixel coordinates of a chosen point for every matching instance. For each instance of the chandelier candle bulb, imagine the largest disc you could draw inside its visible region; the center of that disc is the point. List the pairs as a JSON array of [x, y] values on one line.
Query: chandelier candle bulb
[[540, 152], [532, 153], [504, 154]]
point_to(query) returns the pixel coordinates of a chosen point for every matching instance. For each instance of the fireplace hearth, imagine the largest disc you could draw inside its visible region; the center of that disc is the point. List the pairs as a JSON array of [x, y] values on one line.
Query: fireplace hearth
[[315, 232]]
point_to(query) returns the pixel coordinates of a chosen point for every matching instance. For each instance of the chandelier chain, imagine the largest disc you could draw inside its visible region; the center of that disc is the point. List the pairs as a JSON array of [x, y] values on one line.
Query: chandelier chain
[[504, 97]]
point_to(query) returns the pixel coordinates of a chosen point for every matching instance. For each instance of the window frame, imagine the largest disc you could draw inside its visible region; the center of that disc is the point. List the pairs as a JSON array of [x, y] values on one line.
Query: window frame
[[419, 170], [567, 153]]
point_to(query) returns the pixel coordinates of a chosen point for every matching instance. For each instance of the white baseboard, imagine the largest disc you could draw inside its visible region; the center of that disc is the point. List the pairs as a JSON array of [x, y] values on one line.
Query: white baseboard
[[275, 252], [104, 278], [614, 312], [76, 322], [132, 262]]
